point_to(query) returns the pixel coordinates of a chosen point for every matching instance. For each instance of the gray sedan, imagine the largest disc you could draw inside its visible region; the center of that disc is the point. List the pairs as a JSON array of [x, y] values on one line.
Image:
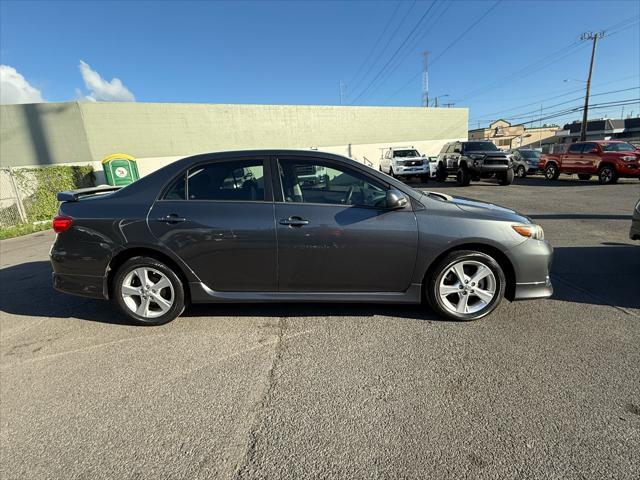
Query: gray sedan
[[525, 161], [291, 226]]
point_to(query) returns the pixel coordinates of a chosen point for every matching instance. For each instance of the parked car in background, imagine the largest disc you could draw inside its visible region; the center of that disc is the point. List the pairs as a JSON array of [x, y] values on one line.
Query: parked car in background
[[608, 159], [188, 233], [404, 162], [525, 161], [634, 232], [472, 161]]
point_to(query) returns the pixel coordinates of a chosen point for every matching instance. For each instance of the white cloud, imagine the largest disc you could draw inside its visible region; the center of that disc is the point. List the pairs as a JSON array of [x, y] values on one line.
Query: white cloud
[[14, 88], [102, 91]]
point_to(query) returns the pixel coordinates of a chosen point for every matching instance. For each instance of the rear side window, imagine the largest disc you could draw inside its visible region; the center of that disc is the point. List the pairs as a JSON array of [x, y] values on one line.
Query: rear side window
[[575, 148], [239, 180]]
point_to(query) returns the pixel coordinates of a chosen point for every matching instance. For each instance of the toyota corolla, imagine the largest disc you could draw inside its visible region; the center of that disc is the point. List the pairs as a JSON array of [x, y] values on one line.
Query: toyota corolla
[[291, 226]]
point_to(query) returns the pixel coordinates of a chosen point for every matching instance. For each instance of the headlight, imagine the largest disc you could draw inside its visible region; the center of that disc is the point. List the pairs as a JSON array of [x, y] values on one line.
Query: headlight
[[628, 158], [530, 231], [476, 157]]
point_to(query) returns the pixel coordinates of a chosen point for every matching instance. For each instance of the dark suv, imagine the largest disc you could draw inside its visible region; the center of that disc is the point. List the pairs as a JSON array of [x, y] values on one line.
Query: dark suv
[[473, 161]]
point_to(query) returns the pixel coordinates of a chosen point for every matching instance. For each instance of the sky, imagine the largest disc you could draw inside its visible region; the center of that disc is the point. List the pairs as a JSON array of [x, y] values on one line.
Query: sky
[[519, 60]]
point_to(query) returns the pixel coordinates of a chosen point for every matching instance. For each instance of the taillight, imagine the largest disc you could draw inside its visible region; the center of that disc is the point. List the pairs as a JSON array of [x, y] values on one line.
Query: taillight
[[61, 223]]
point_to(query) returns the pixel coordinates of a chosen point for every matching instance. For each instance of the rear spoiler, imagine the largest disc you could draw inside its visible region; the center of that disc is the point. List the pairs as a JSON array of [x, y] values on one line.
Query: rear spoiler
[[74, 195]]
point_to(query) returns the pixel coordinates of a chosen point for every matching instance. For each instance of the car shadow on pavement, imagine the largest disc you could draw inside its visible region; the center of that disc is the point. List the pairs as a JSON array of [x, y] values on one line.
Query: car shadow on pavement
[[26, 289], [608, 274], [605, 275], [537, 181]]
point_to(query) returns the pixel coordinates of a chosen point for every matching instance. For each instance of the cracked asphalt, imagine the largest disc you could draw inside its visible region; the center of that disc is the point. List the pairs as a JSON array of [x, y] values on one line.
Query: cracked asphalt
[[540, 389]]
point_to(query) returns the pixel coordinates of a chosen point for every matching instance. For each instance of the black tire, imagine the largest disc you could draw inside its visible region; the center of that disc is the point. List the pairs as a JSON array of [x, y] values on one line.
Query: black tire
[[442, 270], [505, 178], [178, 296], [584, 176], [463, 176], [441, 173], [551, 171], [607, 175], [521, 172]]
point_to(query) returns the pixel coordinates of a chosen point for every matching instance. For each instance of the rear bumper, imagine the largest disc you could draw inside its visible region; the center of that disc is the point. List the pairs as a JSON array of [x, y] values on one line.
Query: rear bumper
[[82, 285]]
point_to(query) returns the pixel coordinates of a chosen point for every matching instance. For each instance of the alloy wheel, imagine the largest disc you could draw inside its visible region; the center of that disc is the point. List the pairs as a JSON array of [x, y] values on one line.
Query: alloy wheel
[[550, 172], [606, 175], [147, 292], [468, 286]]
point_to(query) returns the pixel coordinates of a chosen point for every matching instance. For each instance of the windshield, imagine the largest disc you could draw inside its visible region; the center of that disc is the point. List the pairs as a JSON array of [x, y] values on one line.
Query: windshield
[[618, 147], [479, 147], [405, 153], [530, 154]]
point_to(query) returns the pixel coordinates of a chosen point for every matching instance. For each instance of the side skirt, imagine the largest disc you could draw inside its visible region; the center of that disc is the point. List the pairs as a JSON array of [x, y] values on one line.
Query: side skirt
[[200, 293]]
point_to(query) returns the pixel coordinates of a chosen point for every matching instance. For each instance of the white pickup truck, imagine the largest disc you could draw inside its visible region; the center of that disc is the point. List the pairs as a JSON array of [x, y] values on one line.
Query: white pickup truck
[[405, 162]]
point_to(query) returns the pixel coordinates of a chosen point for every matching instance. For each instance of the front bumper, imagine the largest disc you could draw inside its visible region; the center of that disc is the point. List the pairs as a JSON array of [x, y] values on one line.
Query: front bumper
[[628, 170], [413, 170], [532, 266], [530, 291]]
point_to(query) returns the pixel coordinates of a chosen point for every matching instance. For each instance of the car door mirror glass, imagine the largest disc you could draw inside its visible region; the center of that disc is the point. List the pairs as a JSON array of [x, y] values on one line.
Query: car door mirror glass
[[396, 199]]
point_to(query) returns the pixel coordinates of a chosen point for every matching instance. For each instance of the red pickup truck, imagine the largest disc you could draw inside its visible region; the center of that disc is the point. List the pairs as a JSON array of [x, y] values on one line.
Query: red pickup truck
[[608, 159]]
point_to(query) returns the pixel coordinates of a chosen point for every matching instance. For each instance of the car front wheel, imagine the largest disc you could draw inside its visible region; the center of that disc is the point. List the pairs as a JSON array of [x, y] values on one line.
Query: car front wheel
[[521, 172], [463, 176], [148, 291], [466, 285], [607, 175]]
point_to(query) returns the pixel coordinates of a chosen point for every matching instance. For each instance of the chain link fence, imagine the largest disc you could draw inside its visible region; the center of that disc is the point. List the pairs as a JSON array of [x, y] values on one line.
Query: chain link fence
[[28, 195], [12, 210]]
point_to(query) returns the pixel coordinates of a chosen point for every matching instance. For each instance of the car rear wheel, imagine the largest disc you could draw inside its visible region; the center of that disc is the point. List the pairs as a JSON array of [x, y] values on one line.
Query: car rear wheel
[[521, 172], [551, 172], [584, 176], [466, 285], [505, 178], [463, 176], [148, 291], [607, 175]]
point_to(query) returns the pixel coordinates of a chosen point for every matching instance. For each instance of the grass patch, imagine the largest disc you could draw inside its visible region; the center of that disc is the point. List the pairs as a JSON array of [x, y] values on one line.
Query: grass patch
[[23, 229]]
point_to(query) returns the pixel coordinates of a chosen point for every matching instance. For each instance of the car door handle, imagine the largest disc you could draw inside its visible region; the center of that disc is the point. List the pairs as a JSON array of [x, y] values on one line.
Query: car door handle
[[173, 218], [294, 221]]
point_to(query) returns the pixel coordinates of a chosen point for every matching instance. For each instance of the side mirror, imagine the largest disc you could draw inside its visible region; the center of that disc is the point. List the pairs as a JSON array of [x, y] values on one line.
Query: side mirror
[[396, 199]]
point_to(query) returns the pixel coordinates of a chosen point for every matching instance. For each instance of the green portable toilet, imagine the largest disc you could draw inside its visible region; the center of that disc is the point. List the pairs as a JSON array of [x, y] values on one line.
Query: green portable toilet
[[120, 169]]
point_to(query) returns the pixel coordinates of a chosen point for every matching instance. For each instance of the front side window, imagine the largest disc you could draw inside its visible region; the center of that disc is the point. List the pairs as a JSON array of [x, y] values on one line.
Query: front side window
[[238, 180], [589, 147], [319, 182]]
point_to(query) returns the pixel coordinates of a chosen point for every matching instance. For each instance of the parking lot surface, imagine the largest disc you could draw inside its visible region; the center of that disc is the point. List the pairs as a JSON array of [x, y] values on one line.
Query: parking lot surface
[[540, 389]]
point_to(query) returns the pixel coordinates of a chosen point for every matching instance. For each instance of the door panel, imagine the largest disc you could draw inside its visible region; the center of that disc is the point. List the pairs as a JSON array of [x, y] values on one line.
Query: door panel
[[231, 246], [345, 249]]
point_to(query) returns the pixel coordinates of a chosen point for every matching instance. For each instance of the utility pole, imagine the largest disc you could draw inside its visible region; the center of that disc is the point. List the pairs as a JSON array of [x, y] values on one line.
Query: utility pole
[[343, 93], [425, 78], [594, 37]]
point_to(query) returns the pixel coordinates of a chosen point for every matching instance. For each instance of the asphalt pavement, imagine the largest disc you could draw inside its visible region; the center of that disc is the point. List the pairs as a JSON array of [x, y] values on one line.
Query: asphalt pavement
[[539, 389]]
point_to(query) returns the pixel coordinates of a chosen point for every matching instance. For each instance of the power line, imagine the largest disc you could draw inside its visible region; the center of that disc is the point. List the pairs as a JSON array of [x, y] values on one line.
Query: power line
[[447, 48], [384, 49], [393, 15], [431, 22], [397, 50]]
